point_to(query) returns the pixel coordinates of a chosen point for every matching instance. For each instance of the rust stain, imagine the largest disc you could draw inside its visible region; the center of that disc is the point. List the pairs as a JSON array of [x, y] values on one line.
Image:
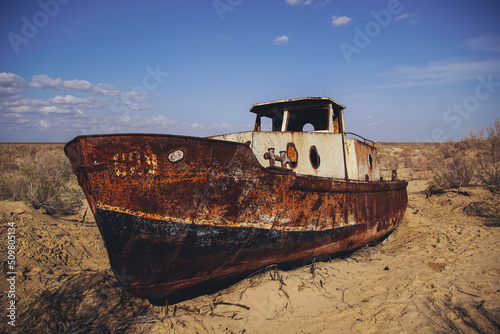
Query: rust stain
[[180, 212], [142, 206]]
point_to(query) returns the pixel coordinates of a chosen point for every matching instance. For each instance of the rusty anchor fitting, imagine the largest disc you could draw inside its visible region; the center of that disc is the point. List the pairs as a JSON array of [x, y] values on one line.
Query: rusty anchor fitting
[[272, 157]]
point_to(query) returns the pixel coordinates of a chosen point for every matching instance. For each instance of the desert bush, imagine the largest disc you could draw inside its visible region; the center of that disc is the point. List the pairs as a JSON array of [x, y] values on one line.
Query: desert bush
[[387, 163], [39, 177], [420, 166], [457, 318], [433, 189], [486, 151], [86, 302], [406, 155], [474, 158], [413, 161], [485, 208], [452, 165]]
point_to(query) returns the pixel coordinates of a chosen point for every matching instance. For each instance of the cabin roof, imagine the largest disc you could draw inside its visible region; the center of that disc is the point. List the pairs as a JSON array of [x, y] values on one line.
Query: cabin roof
[[294, 104]]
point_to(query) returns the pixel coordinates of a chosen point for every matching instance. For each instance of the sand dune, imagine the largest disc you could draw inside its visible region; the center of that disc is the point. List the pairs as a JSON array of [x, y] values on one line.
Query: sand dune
[[438, 272]]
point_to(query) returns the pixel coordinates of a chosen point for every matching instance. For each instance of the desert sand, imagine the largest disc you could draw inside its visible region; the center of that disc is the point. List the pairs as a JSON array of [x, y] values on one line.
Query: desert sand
[[437, 273]]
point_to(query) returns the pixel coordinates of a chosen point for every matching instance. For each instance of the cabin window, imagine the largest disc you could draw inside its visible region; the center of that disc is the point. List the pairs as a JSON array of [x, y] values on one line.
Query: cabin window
[[266, 124], [370, 161], [308, 120], [314, 157], [270, 123], [298, 119]]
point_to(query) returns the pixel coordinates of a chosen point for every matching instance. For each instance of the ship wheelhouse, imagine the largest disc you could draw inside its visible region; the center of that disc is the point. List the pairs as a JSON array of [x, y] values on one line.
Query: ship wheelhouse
[[307, 136], [300, 115]]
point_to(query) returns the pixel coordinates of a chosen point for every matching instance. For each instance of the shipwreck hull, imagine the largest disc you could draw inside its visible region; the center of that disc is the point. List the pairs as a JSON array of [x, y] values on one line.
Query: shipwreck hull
[[179, 212]]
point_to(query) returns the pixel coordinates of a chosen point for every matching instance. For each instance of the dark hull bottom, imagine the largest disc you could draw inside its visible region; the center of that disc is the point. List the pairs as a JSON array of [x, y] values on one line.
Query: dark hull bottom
[[155, 258]]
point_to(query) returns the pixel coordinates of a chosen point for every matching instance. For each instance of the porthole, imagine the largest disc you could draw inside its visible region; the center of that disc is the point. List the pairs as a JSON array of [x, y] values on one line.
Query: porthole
[[370, 161], [292, 154], [314, 157], [176, 156]]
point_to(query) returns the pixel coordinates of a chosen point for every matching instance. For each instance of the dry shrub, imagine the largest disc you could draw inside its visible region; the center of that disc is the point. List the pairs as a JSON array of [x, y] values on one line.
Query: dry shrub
[[416, 161], [453, 166], [419, 165], [387, 163], [88, 302], [406, 154], [474, 159], [488, 209], [455, 318], [486, 152], [412, 160], [433, 189], [40, 176]]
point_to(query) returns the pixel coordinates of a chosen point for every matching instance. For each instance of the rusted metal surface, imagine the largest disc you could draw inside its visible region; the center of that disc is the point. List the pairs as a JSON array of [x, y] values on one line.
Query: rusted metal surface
[[179, 212], [365, 140], [362, 161], [303, 102]]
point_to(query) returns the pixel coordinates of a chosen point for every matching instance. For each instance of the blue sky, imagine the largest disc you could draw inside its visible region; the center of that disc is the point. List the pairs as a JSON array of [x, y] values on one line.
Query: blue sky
[[407, 70]]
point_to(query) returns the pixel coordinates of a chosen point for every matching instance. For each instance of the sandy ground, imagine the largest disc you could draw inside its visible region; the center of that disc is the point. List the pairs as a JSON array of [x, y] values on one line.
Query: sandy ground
[[438, 273]]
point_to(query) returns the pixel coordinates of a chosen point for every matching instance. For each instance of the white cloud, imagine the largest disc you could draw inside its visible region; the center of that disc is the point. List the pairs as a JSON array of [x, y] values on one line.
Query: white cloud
[[489, 42], [338, 21], [376, 123], [198, 126], [88, 112], [54, 110], [407, 16], [321, 4], [281, 40], [17, 119], [13, 103], [11, 79], [20, 109], [130, 123], [10, 84], [8, 91], [140, 106], [298, 3], [44, 123], [400, 17], [71, 100], [19, 104], [442, 71], [43, 81], [56, 105]]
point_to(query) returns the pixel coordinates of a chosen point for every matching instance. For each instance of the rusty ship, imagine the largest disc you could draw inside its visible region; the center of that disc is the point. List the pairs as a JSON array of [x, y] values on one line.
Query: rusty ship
[[178, 213]]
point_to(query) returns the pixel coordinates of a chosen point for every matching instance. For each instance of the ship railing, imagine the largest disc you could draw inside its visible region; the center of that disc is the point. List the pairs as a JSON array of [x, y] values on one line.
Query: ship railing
[[364, 139]]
